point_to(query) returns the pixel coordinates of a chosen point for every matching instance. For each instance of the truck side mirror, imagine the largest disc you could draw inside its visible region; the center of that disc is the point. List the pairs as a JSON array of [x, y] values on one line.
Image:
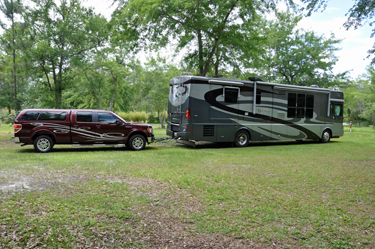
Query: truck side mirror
[[118, 122]]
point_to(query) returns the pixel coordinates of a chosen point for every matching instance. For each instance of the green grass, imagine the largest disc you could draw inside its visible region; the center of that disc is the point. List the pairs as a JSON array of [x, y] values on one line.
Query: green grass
[[308, 194]]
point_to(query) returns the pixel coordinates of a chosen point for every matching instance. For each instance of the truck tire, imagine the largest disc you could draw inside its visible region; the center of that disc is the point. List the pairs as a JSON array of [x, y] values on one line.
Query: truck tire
[[242, 138], [43, 143], [326, 136], [137, 142]]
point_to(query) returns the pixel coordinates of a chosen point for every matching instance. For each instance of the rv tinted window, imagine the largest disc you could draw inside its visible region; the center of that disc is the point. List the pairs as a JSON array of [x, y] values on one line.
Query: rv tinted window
[[231, 95], [31, 115], [309, 106], [57, 116], [301, 100], [292, 103], [292, 99], [259, 97], [84, 117]]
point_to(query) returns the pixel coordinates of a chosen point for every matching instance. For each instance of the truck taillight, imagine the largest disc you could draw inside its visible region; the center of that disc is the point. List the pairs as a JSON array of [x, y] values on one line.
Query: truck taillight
[[187, 114], [17, 128]]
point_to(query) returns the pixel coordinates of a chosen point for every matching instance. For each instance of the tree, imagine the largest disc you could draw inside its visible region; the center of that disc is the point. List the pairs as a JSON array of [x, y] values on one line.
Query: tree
[[360, 97], [297, 57], [10, 9], [63, 34], [358, 14], [152, 86], [204, 28]]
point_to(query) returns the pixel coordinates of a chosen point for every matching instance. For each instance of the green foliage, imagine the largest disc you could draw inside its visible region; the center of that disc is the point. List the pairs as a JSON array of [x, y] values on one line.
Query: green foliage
[[362, 12], [62, 34], [134, 116], [211, 30], [298, 57], [7, 118], [360, 98]]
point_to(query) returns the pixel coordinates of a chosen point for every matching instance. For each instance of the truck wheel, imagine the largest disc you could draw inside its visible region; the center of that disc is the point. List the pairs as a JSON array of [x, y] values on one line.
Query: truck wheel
[[43, 143], [137, 142], [242, 138], [326, 136]]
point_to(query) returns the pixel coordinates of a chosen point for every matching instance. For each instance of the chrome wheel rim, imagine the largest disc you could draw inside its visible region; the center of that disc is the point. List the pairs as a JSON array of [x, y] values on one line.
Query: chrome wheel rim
[[326, 136], [43, 144], [242, 139], [138, 143]]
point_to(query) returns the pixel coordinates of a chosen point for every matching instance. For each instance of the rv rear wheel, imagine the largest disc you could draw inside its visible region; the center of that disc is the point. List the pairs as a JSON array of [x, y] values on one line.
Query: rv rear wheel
[[242, 138], [326, 136]]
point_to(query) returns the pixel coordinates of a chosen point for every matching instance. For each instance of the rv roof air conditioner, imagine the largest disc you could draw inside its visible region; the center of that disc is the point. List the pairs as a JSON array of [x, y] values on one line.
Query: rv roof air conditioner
[[255, 79]]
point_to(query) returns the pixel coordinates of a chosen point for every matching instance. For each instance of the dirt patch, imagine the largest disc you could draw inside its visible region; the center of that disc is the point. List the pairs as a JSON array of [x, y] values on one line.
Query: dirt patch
[[166, 221]]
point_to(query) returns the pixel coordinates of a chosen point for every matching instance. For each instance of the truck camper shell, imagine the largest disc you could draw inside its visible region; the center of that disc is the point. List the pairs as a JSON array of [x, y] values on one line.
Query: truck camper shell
[[224, 110]]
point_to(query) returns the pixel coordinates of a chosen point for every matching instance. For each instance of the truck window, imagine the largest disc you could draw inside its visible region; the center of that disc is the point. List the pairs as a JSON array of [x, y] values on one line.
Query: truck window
[[31, 115], [84, 117], [56, 116], [106, 118]]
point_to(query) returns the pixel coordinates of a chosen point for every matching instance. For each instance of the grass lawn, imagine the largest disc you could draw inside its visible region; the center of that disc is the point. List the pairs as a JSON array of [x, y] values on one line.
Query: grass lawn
[[268, 195]]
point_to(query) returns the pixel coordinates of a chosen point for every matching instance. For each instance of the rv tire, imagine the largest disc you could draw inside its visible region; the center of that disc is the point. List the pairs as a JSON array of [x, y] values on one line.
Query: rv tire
[[242, 138], [326, 136]]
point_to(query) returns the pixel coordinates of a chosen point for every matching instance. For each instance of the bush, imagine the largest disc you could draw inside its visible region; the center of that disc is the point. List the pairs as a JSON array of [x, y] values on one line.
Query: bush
[[7, 118], [134, 116]]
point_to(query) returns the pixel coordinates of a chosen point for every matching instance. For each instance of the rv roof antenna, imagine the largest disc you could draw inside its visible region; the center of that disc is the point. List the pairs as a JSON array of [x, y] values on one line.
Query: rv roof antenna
[[255, 79]]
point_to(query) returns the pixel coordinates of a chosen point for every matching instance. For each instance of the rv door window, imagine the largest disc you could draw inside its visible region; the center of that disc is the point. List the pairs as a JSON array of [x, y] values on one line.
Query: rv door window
[[231, 94]]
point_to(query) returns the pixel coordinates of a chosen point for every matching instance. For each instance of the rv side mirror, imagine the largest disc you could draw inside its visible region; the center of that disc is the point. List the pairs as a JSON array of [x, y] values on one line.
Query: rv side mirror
[[349, 111]]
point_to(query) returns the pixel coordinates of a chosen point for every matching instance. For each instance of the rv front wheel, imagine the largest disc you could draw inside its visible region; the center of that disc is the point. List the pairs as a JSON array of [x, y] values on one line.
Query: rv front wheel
[[242, 139], [326, 136]]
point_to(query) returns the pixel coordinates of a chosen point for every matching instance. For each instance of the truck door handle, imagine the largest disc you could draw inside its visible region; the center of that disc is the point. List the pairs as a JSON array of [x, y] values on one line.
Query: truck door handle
[[98, 126]]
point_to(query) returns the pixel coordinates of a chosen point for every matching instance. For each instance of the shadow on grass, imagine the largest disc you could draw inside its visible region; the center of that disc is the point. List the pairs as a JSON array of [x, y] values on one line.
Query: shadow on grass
[[212, 145], [199, 145], [30, 149]]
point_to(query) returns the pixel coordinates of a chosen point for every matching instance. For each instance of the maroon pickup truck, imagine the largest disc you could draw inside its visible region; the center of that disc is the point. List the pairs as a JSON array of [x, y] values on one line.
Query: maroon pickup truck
[[46, 127]]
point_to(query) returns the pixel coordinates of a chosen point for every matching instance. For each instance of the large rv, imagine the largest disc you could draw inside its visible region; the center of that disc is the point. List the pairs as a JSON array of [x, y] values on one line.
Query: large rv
[[223, 110]]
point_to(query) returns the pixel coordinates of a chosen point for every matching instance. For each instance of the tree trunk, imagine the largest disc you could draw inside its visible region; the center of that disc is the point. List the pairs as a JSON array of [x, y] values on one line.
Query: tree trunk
[[113, 92], [14, 62], [161, 119], [200, 53]]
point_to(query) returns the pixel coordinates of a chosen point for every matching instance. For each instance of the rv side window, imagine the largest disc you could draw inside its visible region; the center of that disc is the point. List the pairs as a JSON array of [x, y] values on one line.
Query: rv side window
[[301, 102], [231, 94], [259, 97], [309, 106], [300, 105], [292, 102]]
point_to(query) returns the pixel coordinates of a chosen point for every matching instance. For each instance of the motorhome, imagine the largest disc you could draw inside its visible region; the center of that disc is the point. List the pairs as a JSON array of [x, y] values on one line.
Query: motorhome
[[224, 110]]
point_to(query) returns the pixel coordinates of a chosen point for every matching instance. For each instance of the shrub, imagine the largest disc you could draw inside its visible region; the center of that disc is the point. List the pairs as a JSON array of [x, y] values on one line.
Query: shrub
[[134, 116], [7, 118]]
